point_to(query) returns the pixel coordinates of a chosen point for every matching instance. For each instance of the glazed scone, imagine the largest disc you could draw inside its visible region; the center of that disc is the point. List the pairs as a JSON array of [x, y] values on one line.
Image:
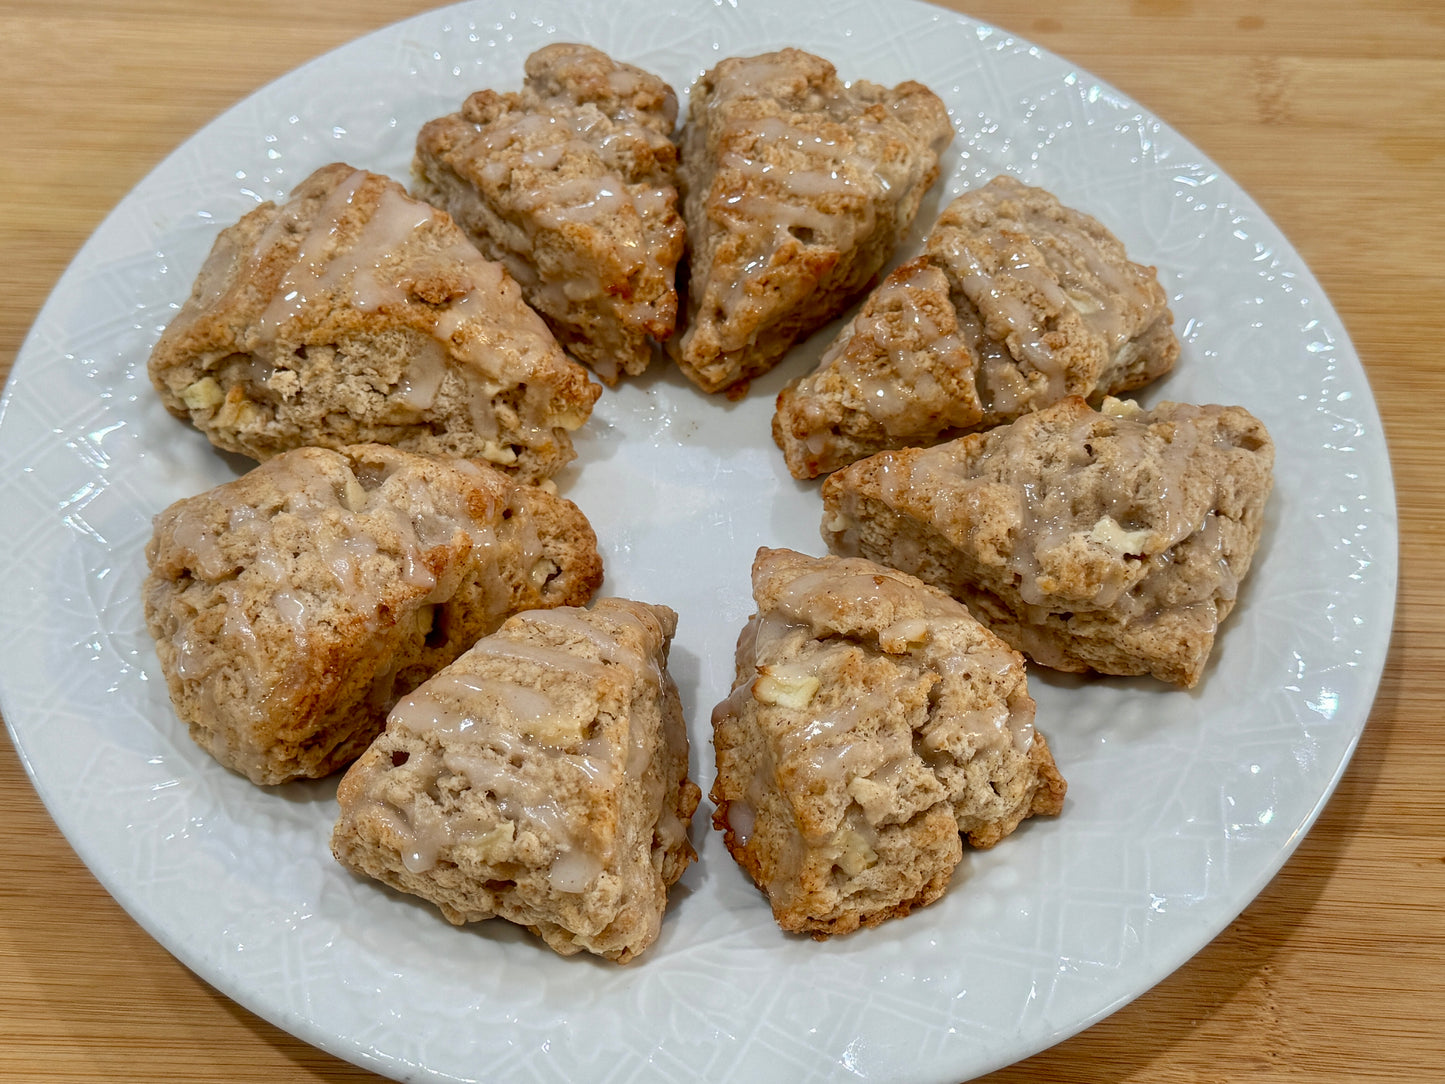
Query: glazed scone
[[872, 721], [572, 185], [1017, 302], [354, 314], [1059, 308], [1111, 540], [292, 606], [796, 189], [541, 778], [900, 373]]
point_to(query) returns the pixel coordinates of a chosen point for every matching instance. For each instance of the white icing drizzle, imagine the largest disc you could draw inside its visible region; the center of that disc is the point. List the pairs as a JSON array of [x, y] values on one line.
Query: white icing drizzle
[[808, 176], [611, 649], [310, 274], [572, 174], [1051, 265], [818, 741], [365, 267], [899, 391], [1003, 390], [489, 727], [263, 580], [784, 203], [422, 379], [1134, 520]]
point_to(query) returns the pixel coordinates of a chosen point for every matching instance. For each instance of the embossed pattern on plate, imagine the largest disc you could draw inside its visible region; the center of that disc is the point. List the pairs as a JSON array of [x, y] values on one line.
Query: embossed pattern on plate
[[1181, 805]]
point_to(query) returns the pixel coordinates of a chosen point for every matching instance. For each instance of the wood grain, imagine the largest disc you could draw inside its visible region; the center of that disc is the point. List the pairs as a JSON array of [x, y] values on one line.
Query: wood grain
[[1327, 112]]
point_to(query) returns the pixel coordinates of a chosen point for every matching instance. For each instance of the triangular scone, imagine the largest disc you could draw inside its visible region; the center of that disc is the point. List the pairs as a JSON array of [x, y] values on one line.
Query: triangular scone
[[353, 313], [541, 778], [796, 190], [1062, 307], [572, 185], [1017, 302], [1111, 541], [901, 372], [292, 606], [872, 721]]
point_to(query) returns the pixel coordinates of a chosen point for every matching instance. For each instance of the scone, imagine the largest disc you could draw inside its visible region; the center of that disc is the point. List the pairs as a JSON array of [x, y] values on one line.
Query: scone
[[1111, 540], [572, 185], [872, 721], [796, 189], [541, 778], [1062, 308], [1017, 302], [900, 373], [292, 606], [355, 314]]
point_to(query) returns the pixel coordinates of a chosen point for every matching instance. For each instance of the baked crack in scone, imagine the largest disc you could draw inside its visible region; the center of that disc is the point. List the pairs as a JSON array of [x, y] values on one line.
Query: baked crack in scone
[[796, 189], [1016, 302], [292, 606], [541, 778], [354, 313], [572, 185], [872, 721], [1111, 540]]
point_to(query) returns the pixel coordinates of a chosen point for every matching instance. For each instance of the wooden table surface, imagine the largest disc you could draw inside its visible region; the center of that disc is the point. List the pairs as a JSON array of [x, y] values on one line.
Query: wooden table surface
[[1327, 111]]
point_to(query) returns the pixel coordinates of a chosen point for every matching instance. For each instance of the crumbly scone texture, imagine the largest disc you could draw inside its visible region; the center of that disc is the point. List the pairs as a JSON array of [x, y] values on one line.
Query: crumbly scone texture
[[541, 778], [353, 313], [1016, 302], [796, 189], [572, 184], [292, 606], [1111, 540], [872, 721], [900, 373]]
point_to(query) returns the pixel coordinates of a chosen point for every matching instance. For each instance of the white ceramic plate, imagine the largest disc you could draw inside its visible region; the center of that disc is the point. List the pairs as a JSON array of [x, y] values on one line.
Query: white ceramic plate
[[1181, 805]]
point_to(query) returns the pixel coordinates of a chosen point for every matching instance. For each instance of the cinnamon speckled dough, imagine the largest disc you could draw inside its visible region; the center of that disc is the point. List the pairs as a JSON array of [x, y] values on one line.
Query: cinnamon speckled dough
[[1016, 302], [292, 606], [572, 184], [872, 721], [796, 188], [1110, 540], [542, 778], [353, 313]]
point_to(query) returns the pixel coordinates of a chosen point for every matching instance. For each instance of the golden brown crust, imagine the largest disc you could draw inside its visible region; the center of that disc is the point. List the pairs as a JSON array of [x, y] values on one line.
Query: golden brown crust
[[796, 190], [293, 605], [872, 721], [355, 314], [541, 778], [1112, 541], [572, 184]]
